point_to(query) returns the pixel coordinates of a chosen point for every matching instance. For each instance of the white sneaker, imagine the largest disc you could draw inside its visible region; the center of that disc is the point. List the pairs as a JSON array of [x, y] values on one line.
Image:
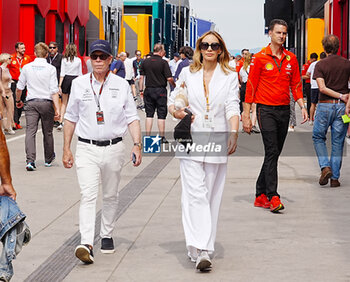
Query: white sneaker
[[60, 127], [203, 262], [291, 129], [9, 131], [193, 259], [311, 122]]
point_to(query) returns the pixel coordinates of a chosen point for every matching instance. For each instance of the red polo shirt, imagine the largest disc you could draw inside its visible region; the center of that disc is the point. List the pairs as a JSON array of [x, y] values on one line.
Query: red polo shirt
[[17, 64], [270, 79], [304, 69]]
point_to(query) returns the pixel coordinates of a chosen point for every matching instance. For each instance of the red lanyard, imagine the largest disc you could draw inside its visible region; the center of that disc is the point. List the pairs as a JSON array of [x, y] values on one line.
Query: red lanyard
[[20, 64], [97, 99]]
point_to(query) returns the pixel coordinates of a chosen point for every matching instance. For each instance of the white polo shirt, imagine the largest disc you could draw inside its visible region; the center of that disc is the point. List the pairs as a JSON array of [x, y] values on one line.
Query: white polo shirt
[[40, 78], [116, 102], [311, 70]]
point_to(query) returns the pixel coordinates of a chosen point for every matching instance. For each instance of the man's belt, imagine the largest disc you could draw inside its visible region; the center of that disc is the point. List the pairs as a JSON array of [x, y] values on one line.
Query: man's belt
[[101, 143], [332, 101]]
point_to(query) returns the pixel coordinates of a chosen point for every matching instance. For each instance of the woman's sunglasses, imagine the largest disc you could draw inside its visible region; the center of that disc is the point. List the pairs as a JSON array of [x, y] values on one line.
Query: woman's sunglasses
[[205, 45], [102, 57]]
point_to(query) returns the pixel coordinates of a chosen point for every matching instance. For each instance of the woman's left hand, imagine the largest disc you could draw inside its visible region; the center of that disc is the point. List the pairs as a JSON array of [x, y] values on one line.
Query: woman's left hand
[[232, 142]]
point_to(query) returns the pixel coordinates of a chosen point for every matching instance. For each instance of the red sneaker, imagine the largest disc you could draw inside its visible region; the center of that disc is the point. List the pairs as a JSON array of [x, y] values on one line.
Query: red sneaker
[[18, 126], [275, 204], [262, 201]]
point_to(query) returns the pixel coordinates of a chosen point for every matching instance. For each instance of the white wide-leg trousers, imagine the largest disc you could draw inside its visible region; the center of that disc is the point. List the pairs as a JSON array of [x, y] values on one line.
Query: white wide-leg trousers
[[94, 163], [202, 188]]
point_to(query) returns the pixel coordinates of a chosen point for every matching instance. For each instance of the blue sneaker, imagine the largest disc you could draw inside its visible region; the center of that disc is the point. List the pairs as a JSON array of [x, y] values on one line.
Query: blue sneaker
[[31, 166], [48, 164]]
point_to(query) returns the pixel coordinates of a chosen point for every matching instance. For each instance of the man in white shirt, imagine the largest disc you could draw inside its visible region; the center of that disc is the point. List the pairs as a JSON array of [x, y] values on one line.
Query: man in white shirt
[[100, 111], [314, 88], [40, 78]]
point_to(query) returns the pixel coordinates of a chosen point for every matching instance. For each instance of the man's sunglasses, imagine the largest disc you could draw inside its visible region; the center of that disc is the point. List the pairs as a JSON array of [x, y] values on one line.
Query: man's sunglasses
[[102, 57], [52, 47], [205, 46]]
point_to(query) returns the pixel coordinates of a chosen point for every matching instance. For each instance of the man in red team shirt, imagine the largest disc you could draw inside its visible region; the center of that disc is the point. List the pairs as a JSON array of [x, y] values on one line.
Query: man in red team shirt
[[18, 61], [274, 72]]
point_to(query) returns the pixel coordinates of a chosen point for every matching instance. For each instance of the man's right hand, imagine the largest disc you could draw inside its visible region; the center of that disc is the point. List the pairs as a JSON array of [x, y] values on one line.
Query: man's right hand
[[247, 123], [8, 190], [67, 158]]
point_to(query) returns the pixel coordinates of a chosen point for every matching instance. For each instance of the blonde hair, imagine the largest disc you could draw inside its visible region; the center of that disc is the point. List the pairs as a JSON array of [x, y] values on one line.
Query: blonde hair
[[223, 58], [41, 50], [71, 52], [4, 57], [247, 61]]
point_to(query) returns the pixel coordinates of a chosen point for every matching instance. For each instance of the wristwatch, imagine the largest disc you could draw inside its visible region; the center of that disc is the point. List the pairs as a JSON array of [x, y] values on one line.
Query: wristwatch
[[138, 145]]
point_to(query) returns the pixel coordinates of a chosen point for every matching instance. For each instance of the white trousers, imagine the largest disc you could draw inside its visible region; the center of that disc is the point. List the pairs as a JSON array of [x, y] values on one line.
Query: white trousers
[[94, 163], [202, 188]]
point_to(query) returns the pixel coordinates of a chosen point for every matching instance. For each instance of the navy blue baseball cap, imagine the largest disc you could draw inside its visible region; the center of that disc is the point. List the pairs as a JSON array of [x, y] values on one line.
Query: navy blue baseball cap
[[176, 55], [101, 45]]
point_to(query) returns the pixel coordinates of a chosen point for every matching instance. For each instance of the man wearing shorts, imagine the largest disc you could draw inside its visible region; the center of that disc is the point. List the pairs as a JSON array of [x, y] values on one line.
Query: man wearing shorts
[[157, 74]]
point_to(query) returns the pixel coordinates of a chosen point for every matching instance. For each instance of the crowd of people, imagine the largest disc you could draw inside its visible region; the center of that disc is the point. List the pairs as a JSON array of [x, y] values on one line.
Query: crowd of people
[[101, 106]]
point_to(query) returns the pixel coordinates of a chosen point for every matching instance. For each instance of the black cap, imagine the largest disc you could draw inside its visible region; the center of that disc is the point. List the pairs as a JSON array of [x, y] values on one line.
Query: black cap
[[101, 45]]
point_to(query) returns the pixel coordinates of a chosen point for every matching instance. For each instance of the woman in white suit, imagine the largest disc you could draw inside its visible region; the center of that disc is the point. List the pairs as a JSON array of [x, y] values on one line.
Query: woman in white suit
[[212, 87]]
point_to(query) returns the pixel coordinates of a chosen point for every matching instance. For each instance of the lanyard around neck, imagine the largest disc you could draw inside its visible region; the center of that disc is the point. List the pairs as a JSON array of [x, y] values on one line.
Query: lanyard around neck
[[97, 98], [206, 94], [279, 66]]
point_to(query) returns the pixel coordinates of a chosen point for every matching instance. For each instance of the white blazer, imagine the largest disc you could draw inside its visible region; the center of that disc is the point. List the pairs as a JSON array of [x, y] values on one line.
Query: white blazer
[[223, 101]]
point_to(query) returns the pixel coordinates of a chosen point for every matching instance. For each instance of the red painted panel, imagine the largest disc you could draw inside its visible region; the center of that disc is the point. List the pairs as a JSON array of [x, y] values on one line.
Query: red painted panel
[[43, 7], [340, 27], [66, 33], [50, 27], [83, 12], [76, 36], [71, 9], [27, 27], [58, 5], [10, 25]]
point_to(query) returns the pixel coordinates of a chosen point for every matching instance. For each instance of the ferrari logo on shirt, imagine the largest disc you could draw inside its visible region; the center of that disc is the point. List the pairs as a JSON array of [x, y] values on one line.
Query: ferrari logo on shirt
[[288, 58], [269, 66], [13, 62]]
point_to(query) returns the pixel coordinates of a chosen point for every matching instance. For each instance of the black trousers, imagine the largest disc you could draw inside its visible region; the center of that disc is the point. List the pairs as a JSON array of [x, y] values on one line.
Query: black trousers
[[18, 111], [273, 122], [307, 92]]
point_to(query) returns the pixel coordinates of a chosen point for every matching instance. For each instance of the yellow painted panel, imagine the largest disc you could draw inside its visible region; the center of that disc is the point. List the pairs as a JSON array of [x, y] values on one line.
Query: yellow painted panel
[[140, 25], [143, 33], [315, 32], [95, 7], [132, 22]]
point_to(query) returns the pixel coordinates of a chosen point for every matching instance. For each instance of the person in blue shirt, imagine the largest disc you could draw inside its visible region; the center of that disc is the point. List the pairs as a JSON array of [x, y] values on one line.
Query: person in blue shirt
[[117, 67], [186, 54]]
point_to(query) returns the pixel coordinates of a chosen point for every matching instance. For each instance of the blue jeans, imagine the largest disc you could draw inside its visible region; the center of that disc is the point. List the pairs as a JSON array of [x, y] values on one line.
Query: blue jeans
[[329, 115]]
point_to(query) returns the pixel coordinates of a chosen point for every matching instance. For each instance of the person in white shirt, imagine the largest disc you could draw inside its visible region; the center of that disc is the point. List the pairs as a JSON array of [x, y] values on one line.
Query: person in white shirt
[[71, 68], [42, 94], [174, 63], [212, 88], [243, 77], [129, 71], [314, 88], [100, 111]]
